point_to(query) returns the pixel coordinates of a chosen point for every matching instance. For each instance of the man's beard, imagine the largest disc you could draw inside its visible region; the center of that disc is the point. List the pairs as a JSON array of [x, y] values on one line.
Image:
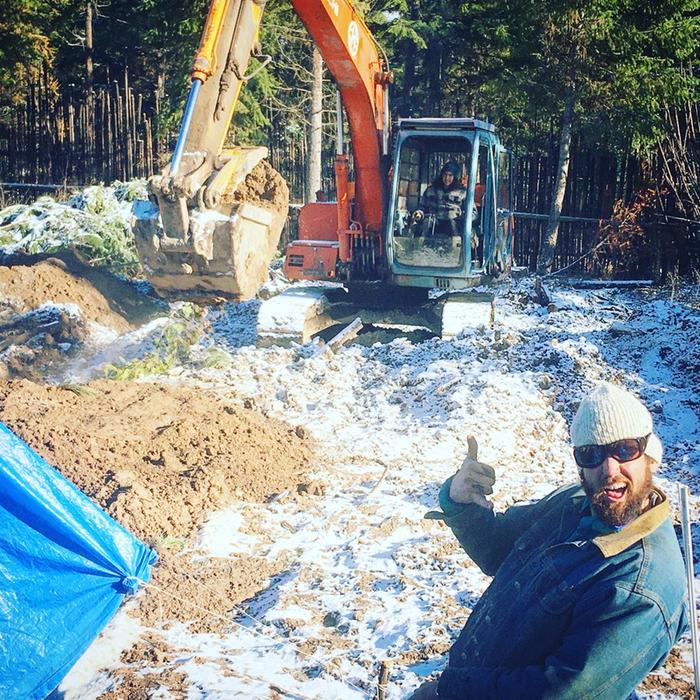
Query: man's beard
[[624, 512]]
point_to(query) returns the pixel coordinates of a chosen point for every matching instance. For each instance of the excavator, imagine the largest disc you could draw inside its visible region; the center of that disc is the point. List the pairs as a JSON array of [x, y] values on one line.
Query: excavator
[[377, 242]]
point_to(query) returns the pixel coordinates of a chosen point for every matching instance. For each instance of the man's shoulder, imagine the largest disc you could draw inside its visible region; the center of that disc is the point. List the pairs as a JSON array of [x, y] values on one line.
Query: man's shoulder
[[662, 552], [648, 562], [652, 571], [565, 499], [562, 496]]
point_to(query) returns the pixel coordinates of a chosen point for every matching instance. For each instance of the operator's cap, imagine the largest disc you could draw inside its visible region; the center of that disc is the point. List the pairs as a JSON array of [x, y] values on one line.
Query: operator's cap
[[452, 167], [610, 413]]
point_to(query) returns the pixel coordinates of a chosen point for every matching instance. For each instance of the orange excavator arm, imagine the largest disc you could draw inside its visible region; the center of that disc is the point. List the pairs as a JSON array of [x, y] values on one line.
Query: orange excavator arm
[[351, 55], [195, 237]]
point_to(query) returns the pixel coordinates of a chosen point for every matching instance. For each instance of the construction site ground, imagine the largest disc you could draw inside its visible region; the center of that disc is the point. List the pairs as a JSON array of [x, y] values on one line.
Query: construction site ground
[[284, 489]]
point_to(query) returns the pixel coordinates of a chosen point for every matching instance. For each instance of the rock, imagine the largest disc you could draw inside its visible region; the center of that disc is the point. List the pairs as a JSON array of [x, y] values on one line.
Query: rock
[[332, 619], [617, 329], [56, 262], [544, 382], [125, 478], [551, 359], [312, 488]]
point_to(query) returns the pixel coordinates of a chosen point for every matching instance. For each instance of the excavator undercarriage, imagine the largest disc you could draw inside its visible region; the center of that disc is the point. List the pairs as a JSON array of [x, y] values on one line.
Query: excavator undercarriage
[[302, 312]]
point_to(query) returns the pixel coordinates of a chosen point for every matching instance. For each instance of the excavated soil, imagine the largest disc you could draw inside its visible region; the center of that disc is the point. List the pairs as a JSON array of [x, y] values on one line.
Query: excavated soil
[[267, 189], [36, 335], [100, 296], [264, 187], [158, 459], [155, 457]]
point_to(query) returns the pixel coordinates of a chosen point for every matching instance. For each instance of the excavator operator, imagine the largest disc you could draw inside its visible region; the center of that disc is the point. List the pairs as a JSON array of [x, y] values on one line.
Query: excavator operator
[[443, 201]]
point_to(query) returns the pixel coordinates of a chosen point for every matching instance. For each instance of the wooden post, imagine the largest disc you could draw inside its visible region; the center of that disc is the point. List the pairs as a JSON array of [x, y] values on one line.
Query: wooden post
[[149, 148], [383, 680], [127, 128], [117, 134], [107, 128], [344, 336]]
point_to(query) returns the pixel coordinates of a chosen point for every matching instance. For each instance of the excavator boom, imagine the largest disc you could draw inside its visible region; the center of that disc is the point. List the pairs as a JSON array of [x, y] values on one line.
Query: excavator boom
[[362, 77], [194, 236]]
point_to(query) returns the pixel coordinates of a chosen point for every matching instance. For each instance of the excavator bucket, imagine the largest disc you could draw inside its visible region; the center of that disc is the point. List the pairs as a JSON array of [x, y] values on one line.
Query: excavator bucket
[[214, 215], [219, 243]]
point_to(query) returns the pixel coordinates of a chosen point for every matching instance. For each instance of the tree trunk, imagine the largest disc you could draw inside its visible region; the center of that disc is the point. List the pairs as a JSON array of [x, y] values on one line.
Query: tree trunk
[[159, 146], [88, 48], [545, 259], [408, 49], [89, 145], [434, 61], [313, 162]]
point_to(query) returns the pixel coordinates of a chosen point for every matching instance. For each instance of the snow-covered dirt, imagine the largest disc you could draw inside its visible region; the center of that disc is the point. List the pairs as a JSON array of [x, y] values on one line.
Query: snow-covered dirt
[[361, 576], [352, 573]]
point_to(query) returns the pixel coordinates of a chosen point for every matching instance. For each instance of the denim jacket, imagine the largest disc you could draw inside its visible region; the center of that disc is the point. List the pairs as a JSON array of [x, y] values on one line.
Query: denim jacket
[[570, 613]]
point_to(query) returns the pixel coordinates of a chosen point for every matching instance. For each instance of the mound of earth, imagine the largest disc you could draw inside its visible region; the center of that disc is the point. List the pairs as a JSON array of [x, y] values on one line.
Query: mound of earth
[[101, 296], [29, 286], [264, 187], [36, 329], [158, 458], [155, 457]]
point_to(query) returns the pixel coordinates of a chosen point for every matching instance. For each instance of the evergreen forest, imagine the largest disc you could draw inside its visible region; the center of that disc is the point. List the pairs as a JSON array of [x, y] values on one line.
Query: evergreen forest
[[598, 100]]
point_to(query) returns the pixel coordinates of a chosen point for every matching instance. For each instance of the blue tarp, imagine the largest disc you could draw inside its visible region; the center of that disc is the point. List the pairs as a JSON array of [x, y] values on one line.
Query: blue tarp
[[65, 567]]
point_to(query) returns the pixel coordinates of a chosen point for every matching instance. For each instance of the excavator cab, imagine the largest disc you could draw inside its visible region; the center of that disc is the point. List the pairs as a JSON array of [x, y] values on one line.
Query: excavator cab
[[469, 233]]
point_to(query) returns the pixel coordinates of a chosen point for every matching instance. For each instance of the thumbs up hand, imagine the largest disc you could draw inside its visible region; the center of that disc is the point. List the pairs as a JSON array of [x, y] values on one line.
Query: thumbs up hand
[[474, 480]]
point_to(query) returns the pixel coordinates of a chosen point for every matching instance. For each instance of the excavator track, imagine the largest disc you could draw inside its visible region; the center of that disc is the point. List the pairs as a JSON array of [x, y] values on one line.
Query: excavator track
[[302, 312]]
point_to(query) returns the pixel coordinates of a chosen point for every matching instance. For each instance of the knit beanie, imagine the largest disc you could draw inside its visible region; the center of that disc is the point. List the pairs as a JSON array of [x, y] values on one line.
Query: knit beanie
[[610, 413], [452, 167]]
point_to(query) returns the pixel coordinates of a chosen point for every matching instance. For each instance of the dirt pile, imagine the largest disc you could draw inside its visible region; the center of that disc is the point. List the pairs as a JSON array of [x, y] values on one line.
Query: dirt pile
[[265, 188], [157, 458], [34, 335], [100, 296]]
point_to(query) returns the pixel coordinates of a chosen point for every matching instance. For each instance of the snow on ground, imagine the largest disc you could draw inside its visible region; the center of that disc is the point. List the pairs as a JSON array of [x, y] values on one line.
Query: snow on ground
[[364, 578]]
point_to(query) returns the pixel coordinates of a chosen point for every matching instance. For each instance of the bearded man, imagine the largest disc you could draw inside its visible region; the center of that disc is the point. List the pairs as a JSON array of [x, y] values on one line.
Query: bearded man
[[588, 594]]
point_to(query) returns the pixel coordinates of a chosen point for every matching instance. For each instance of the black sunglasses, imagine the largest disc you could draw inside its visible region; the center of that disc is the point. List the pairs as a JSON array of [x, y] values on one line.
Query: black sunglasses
[[590, 456]]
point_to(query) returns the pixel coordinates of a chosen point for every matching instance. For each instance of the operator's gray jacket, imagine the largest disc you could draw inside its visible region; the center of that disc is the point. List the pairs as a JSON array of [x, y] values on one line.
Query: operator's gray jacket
[[445, 204], [570, 613]]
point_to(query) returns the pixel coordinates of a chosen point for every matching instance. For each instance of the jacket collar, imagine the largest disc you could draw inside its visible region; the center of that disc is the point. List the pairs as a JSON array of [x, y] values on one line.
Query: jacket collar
[[644, 525]]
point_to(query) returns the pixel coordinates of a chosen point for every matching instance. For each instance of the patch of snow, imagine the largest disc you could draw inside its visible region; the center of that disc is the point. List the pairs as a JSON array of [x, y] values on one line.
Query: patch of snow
[[370, 579]]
